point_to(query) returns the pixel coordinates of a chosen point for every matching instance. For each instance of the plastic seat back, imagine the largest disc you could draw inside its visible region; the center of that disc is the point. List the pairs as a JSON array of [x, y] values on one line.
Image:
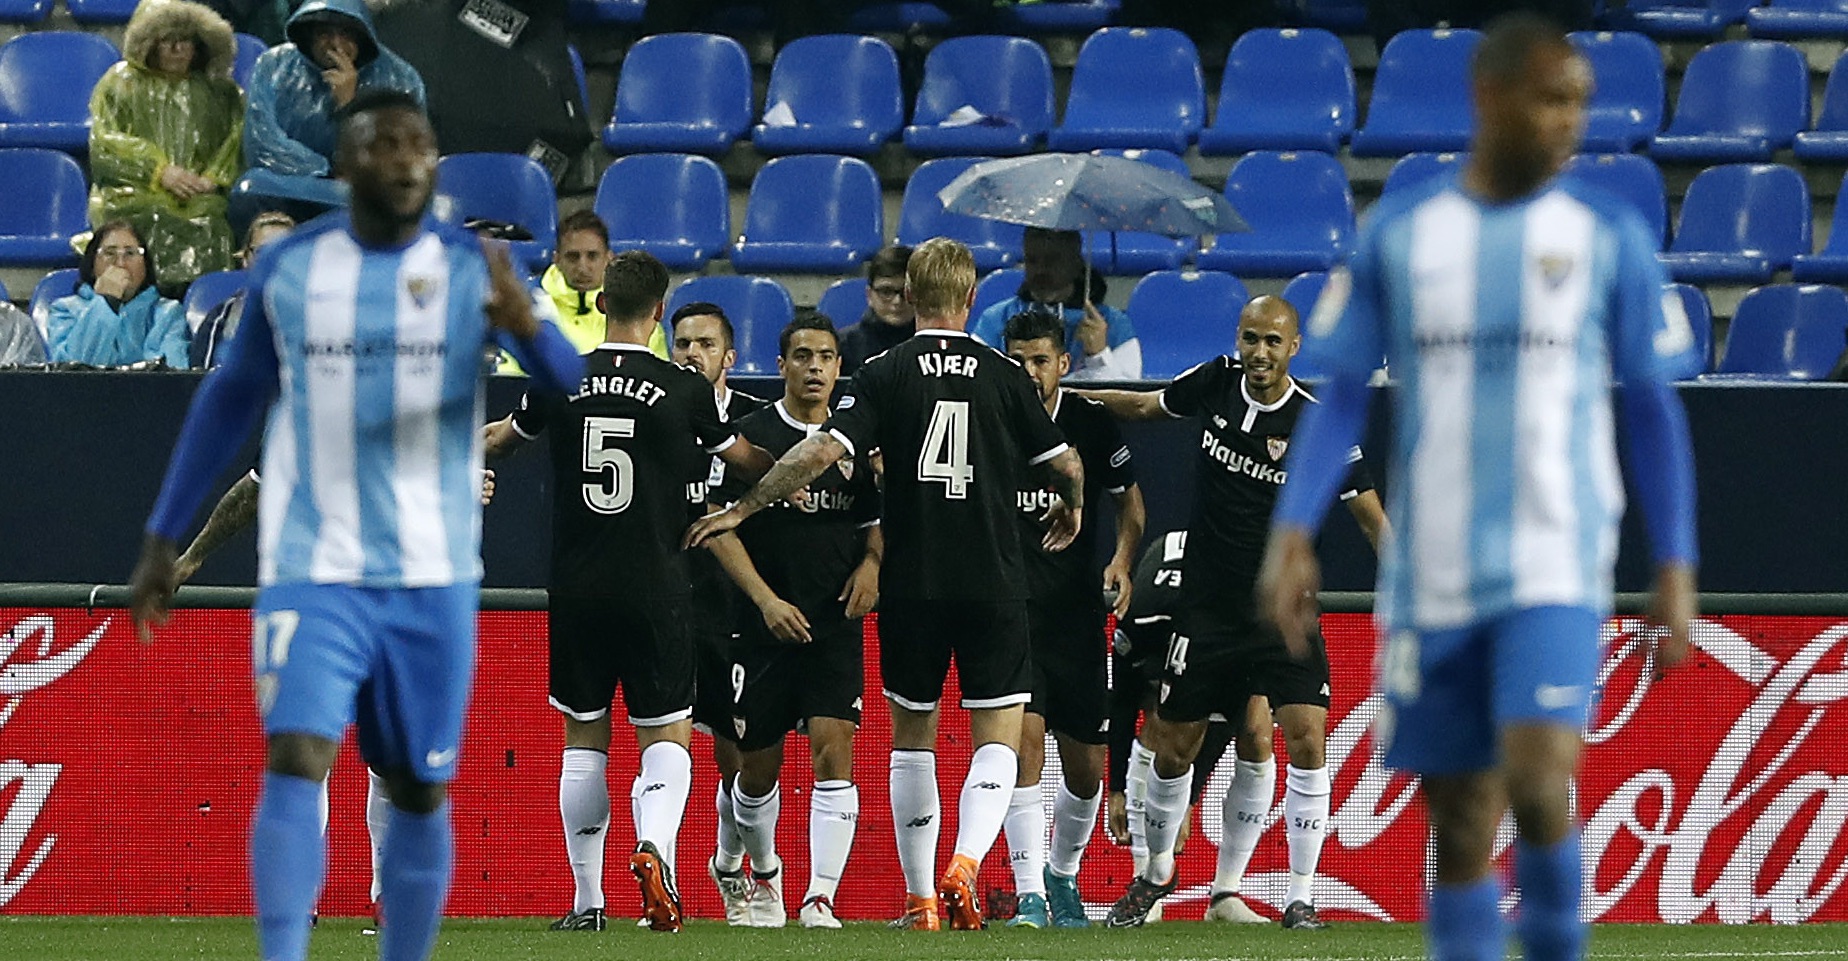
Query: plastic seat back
[[1787, 330], [759, 309], [675, 206], [1185, 317]]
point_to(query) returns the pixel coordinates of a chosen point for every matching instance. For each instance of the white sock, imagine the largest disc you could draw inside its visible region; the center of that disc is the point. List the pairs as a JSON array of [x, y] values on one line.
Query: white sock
[[1026, 839], [730, 853], [1167, 805], [757, 817], [660, 797], [326, 806], [834, 813], [1136, 801], [1241, 820], [916, 819], [1305, 811], [1073, 820], [584, 807], [985, 795], [378, 814]]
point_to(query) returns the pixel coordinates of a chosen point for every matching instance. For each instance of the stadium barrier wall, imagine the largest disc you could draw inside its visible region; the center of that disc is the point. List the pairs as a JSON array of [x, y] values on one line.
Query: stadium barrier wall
[[129, 773]]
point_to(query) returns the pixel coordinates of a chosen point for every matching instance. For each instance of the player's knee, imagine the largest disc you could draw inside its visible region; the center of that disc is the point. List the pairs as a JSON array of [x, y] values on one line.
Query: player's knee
[[1307, 752], [1254, 747], [413, 796], [832, 762], [301, 755]]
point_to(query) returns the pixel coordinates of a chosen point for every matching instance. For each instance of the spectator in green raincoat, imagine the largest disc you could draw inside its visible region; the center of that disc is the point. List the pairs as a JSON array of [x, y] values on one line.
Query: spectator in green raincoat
[[166, 138]]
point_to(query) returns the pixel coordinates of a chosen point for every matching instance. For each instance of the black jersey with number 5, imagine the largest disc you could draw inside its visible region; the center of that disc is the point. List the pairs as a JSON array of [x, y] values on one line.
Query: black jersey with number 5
[[628, 449], [958, 424]]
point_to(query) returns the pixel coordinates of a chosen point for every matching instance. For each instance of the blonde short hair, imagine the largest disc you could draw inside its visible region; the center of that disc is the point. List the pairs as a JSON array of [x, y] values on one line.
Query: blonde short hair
[[939, 277]]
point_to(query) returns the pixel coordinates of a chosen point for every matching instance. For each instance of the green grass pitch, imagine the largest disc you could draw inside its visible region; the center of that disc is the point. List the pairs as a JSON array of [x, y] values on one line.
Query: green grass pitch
[[221, 939]]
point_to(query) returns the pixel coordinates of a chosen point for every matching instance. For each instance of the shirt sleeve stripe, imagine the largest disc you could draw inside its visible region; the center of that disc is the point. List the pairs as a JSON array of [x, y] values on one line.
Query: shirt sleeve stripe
[[515, 422], [724, 446], [845, 442], [1041, 459]]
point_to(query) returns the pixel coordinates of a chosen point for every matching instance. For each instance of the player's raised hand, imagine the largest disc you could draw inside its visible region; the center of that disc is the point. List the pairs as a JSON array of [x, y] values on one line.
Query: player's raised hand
[[152, 585], [510, 305], [1287, 584], [1673, 605], [1063, 522], [711, 526], [785, 620]]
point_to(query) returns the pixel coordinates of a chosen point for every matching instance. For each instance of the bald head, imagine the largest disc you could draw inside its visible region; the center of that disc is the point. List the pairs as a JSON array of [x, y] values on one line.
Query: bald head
[[1269, 309], [1267, 340]]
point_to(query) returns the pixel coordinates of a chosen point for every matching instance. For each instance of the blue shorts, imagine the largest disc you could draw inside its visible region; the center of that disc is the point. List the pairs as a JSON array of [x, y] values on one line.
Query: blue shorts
[[1450, 693], [399, 662]]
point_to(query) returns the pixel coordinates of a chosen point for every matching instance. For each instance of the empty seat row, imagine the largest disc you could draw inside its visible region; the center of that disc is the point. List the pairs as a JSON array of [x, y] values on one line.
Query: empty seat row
[[82, 11]]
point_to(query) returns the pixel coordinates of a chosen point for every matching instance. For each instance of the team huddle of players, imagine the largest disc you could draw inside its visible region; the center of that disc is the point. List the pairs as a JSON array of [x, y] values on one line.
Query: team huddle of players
[[948, 485]]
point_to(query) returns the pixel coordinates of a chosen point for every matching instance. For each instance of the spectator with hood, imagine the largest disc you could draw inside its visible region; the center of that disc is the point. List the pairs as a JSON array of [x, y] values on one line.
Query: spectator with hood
[[166, 124], [296, 89], [117, 316]]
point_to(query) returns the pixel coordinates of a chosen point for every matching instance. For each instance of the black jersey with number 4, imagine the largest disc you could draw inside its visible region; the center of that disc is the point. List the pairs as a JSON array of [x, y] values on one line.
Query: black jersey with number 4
[[958, 423], [1242, 445], [1073, 576], [806, 553], [627, 450]]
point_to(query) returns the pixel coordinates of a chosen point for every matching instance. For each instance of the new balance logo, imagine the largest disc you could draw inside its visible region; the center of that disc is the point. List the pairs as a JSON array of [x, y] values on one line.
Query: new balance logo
[[1158, 823], [987, 786], [922, 822], [656, 786], [591, 831]]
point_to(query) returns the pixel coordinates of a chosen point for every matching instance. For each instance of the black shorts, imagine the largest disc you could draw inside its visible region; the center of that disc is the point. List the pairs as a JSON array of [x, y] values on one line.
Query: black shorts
[[1216, 663], [988, 639], [782, 685], [715, 681], [1070, 680], [639, 643]]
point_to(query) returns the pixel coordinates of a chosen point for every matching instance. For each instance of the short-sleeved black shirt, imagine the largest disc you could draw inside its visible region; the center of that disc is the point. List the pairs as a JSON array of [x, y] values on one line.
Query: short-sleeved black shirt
[[1242, 446], [806, 553], [628, 449], [1073, 576], [958, 423]]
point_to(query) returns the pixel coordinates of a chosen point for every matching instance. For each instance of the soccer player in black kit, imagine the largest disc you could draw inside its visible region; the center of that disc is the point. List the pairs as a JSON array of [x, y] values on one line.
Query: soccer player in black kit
[[627, 452], [1066, 617], [811, 568], [1222, 657], [959, 425]]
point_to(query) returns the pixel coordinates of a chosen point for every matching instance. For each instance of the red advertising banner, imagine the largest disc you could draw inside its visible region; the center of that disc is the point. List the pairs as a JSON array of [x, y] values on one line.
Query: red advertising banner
[[129, 772]]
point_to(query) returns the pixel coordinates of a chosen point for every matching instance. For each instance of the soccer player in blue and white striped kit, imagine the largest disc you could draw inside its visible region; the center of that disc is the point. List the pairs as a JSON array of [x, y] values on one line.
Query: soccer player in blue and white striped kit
[[364, 339], [1507, 303]]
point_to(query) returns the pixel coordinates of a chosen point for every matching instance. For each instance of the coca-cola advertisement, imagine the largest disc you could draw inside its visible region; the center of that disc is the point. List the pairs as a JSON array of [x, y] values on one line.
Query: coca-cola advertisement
[[129, 773]]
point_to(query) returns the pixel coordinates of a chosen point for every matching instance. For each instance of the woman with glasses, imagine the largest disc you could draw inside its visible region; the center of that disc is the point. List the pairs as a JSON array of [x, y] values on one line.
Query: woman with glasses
[[117, 316]]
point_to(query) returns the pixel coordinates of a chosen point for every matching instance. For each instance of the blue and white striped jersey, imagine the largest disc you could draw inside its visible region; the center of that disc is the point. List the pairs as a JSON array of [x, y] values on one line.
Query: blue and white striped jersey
[[372, 455], [1504, 326]]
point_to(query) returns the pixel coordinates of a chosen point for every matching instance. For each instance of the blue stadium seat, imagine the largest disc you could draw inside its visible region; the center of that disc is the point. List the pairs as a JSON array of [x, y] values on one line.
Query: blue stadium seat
[[811, 213], [1283, 90], [101, 11], [59, 283], [1420, 95], [759, 309], [681, 92], [1679, 18], [995, 288], [1829, 141], [1740, 223], [604, 13], [1830, 266], [921, 216], [24, 11], [1133, 87], [1626, 99], [1129, 252], [249, 48], [1299, 209], [1415, 168], [1007, 80], [45, 84], [840, 90], [1065, 16], [1798, 19], [1700, 320], [844, 302], [675, 206], [899, 18], [577, 73], [42, 207], [1632, 177], [507, 187], [1791, 331], [208, 291], [1185, 317], [1740, 100], [1304, 290], [1341, 16]]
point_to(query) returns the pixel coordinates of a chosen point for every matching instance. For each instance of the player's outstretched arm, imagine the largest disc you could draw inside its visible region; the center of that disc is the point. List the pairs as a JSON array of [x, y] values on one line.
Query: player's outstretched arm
[[152, 584], [1657, 432], [1132, 518], [784, 619], [236, 510], [803, 463], [1317, 465], [748, 459], [499, 438], [541, 350], [1065, 517], [1128, 404]]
